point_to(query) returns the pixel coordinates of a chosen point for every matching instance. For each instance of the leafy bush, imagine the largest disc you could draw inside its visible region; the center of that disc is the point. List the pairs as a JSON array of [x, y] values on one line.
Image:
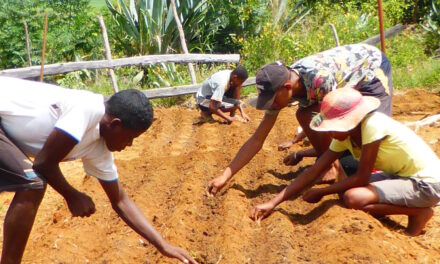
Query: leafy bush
[[432, 27], [311, 35], [72, 31]]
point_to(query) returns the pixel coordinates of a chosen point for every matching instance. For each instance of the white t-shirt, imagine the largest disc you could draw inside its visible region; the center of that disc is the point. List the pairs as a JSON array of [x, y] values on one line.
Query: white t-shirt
[[215, 86], [29, 112]]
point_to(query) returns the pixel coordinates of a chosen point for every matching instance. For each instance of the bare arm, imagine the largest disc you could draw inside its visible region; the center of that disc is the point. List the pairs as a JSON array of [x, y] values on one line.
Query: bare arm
[[56, 147], [297, 138], [133, 217], [360, 178], [245, 154], [306, 177], [237, 93], [213, 108], [296, 156], [297, 185]]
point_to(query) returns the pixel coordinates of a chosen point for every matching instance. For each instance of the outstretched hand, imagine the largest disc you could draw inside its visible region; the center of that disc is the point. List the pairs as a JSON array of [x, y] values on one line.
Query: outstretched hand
[[285, 145], [80, 204], [245, 117], [312, 196], [178, 253], [292, 159], [215, 185], [262, 211]]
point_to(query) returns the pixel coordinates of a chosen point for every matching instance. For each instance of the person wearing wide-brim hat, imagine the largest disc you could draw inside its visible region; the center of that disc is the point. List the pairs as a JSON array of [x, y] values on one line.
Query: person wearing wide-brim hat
[[407, 181], [358, 66]]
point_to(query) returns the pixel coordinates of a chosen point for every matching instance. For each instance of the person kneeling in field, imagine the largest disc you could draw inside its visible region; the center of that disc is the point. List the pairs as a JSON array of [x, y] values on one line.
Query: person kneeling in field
[[409, 180], [220, 94], [55, 124], [359, 66]]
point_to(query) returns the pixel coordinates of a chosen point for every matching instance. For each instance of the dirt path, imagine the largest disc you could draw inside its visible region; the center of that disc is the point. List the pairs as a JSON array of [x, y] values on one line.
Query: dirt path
[[166, 173]]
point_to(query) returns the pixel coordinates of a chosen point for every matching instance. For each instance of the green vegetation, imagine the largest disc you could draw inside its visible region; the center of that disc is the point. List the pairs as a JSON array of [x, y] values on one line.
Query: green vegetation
[[259, 30], [97, 3]]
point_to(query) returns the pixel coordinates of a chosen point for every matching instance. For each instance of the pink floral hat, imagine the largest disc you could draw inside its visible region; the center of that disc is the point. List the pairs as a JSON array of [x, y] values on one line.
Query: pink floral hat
[[342, 110]]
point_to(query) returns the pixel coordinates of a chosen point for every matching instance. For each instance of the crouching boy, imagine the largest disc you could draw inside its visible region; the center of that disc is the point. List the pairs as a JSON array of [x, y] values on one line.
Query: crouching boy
[[220, 94], [408, 182]]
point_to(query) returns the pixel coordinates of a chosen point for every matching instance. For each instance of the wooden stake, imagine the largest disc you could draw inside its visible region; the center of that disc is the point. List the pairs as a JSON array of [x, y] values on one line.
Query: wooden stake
[[335, 34], [182, 40], [415, 18], [44, 47], [26, 33], [108, 53], [381, 26]]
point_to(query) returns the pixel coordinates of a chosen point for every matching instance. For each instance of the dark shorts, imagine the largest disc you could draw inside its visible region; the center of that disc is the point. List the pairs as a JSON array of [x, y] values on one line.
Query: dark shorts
[[226, 104], [381, 86], [16, 173]]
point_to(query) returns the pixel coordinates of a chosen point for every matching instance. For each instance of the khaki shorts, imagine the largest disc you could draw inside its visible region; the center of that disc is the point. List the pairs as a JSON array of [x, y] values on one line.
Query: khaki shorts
[[407, 192]]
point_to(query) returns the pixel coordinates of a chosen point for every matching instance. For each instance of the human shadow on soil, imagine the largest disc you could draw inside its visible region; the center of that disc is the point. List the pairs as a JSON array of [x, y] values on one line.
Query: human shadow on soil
[[264, 188], [315, 213], [201, 121], [391, 224], [287, 176]]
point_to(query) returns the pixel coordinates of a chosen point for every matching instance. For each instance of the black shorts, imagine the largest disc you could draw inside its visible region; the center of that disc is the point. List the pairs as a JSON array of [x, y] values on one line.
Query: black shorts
[[16, 173], [381, 87]]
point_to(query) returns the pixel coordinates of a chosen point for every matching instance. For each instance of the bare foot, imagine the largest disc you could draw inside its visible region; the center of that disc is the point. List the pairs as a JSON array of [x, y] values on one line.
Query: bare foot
[[416, 223]]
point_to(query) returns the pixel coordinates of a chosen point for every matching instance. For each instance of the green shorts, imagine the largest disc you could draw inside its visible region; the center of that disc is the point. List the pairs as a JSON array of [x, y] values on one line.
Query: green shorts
[[403, 191]]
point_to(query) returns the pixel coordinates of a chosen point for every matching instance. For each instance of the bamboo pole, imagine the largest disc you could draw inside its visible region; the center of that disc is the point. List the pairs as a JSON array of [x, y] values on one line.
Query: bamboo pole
[[183, 41], [381, 26], [108, 53], [43, 50], [26, 33]]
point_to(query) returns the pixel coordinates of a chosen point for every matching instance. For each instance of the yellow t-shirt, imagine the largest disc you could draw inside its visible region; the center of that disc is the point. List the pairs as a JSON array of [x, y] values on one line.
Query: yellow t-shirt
[[401, 152]]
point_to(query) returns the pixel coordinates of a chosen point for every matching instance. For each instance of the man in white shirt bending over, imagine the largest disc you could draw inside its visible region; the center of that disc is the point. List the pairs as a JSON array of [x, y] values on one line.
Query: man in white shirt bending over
[[54, 124]]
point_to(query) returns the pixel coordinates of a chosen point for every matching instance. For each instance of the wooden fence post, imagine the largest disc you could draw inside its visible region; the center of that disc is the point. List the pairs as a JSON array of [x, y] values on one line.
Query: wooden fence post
[[381, 26], [108, 54], [44, 46], [335, 34], [182, 40], [26, 33]]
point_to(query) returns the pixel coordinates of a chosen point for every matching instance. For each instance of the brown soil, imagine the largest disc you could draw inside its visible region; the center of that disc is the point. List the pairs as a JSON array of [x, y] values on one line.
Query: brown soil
[[166, 173]]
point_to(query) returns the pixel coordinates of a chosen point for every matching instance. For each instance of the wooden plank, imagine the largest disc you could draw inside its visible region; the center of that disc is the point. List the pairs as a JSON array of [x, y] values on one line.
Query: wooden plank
[[389, 33], [103, 64], [182, 90]]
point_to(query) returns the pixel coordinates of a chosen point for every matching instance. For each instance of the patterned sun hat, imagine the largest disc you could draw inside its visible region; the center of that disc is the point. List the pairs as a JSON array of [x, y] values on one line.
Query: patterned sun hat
[[342, 110]]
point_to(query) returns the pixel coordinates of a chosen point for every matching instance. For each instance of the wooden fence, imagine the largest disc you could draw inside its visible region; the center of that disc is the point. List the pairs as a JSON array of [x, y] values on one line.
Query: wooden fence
[[59, 68]]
